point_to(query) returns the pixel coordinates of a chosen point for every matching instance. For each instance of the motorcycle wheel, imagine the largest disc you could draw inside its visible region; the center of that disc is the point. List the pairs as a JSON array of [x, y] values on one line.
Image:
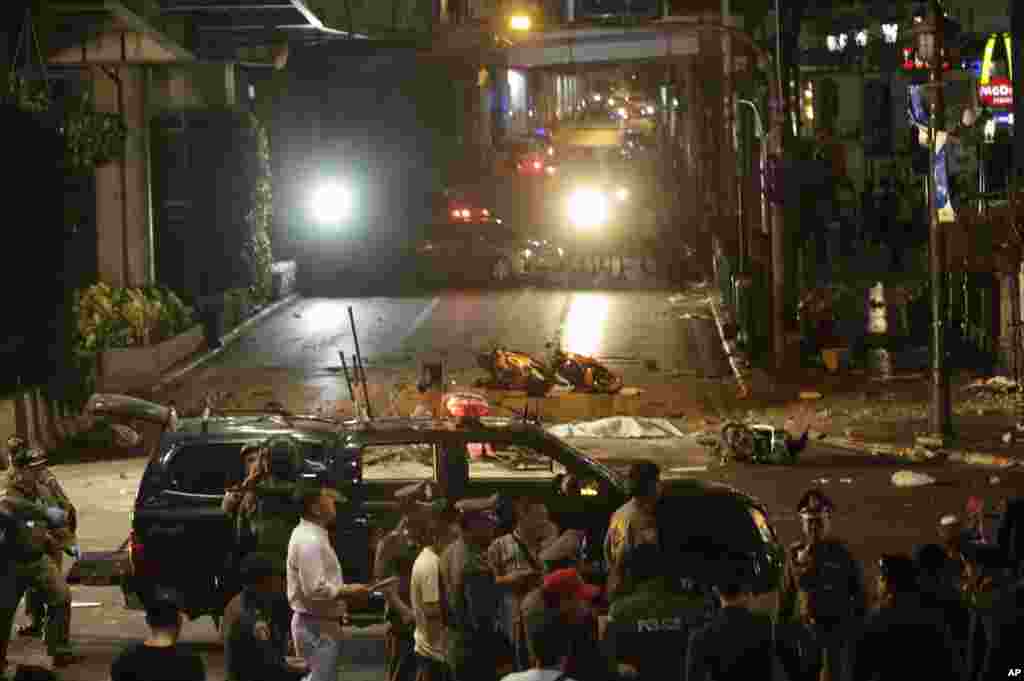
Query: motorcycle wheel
[[739, 440]]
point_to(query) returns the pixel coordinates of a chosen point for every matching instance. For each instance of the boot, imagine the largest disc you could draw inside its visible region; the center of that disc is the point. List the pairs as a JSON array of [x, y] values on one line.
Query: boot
[[58, 628]]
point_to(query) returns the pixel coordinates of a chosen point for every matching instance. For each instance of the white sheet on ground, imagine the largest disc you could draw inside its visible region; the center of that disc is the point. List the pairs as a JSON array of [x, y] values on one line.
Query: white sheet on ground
[[619, 427]]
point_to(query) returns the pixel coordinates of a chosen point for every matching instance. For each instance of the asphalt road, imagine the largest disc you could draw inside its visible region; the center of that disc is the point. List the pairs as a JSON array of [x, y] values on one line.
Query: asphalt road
[[628, 326]]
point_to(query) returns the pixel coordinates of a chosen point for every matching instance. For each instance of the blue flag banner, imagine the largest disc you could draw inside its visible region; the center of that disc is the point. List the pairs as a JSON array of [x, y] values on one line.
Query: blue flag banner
[[917, 114]]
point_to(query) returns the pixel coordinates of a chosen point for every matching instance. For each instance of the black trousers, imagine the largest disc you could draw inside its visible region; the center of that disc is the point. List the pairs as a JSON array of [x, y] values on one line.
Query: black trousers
[[429, 669], [401, 659]]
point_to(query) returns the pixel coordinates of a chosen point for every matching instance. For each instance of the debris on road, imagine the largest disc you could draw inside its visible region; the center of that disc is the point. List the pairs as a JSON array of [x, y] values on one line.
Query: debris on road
[[630, 392], [810, 395], [912, 479], [821, 481], [85, 604], [997, 385], [846, 481], [994, 480], [689, 469], [621, 427]]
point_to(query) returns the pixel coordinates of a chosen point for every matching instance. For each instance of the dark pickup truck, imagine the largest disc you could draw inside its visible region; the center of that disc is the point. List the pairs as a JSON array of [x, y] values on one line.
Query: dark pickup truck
[[180, 537]]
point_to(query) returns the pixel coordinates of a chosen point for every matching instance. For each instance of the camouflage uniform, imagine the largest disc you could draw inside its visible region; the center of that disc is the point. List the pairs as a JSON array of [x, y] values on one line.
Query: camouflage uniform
[[35, 569], [52, 494]]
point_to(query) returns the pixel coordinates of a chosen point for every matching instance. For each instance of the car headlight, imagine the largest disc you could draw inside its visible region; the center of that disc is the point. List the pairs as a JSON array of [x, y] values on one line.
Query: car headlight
[[622, 194], [588, 208]]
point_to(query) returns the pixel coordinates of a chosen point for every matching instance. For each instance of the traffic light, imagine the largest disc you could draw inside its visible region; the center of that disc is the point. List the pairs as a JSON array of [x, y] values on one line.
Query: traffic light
[[878, 119]]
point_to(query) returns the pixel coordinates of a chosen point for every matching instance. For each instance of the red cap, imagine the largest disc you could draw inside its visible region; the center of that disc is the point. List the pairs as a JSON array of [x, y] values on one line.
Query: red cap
[[567, 582]]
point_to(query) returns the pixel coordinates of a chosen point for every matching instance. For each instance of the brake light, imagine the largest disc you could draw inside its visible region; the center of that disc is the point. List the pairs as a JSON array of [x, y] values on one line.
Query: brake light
[[455, 213], [536, 165], [140, 565]]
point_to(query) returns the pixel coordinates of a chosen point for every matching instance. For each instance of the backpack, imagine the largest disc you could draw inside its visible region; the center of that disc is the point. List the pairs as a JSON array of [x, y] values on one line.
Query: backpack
[[825, 583]]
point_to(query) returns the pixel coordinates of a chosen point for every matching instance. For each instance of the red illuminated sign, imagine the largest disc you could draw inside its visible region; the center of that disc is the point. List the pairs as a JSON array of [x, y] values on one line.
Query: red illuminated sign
[[998, 92]]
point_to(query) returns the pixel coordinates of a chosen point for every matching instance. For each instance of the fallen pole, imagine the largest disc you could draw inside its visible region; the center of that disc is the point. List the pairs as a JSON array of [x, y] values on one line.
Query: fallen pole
[[348, 380], [359, 360]]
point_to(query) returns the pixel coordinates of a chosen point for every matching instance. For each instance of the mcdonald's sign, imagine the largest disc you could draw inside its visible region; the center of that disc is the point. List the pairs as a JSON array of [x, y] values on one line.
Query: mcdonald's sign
[[996, 91]]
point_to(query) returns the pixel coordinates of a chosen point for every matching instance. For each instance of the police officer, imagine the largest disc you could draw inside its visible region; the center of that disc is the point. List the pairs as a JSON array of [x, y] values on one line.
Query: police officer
[[32, 566], [476, 650], [32, 465], [993, 598], [823, 596], [648, 628], [633, 524], [396, 553]]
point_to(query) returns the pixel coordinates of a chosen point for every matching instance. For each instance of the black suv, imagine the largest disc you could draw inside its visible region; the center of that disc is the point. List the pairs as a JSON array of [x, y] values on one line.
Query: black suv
[[180, 536]]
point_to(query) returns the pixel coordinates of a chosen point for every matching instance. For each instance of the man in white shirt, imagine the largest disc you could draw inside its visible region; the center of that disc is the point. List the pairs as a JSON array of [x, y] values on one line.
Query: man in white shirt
[[425, 594], [316, 588]]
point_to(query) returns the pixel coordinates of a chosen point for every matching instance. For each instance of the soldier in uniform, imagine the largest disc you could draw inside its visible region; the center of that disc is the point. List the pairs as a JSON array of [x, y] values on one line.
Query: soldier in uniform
[[648, 628], [633, 524], [36, 568], [20, 521], [263, 508], [476, 650], [823, 598], [396, 553], [52, 494]]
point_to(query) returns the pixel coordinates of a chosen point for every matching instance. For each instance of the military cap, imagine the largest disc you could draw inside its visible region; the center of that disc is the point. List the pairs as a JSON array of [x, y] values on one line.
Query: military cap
[[29, 457], [814, 504]]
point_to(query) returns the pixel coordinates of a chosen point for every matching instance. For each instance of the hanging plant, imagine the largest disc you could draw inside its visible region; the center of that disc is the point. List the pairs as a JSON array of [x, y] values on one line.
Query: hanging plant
[[32, 96], [92, 138]]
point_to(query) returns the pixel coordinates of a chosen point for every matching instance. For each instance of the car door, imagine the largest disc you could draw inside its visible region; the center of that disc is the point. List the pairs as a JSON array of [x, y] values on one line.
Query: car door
[[184, 538]]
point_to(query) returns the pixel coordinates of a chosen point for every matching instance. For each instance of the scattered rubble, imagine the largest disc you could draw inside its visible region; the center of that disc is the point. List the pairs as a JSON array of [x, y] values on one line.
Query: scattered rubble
[[912, 479]]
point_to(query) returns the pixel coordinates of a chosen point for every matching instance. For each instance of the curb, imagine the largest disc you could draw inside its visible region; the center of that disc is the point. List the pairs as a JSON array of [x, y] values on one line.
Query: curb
[[226, 341]]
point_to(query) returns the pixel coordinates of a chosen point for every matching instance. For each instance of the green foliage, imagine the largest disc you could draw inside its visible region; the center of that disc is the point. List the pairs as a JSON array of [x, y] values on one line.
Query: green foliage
[[107, 318], [257, 251], [32, 96], [92, 137], [237, 303]]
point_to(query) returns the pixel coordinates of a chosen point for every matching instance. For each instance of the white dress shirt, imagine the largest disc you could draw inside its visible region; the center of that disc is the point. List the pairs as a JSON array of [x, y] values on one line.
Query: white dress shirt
[[314, 572]]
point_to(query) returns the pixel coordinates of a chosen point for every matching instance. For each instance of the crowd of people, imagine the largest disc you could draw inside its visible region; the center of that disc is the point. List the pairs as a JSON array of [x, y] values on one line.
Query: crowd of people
[[467, 601]]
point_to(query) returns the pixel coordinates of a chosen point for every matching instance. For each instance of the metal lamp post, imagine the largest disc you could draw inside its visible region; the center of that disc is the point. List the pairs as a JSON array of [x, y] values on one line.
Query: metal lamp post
[[928, 36]]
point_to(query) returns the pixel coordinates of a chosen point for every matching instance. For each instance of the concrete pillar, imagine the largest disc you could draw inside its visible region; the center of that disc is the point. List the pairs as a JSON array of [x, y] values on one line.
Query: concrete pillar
[[123, 215]]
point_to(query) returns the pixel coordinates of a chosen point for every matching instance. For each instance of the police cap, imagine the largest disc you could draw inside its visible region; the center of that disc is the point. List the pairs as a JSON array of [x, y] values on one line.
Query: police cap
[[814, 504]]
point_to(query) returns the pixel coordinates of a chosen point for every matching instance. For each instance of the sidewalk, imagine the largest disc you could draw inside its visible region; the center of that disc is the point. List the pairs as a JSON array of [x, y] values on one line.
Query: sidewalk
[[852, 410]]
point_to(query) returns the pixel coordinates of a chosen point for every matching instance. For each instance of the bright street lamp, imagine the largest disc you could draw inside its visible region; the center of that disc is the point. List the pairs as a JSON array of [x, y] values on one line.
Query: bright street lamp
[[519, 22], [331, 203], [588, 208]]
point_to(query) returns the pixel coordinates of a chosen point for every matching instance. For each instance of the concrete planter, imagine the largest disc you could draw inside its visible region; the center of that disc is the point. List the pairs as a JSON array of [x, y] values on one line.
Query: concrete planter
[[125, 369]]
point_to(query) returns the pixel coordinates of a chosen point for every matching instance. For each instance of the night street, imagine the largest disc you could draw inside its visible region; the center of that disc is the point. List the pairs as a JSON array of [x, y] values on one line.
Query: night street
[[292, 356]]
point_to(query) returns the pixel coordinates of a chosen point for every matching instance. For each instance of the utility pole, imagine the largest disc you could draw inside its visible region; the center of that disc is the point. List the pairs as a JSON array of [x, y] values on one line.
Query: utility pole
[[940, 412]]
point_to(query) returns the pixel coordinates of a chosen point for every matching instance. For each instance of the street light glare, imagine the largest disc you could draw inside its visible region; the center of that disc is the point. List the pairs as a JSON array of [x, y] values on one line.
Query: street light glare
[[588, 208], [331, 203], [519, 23]]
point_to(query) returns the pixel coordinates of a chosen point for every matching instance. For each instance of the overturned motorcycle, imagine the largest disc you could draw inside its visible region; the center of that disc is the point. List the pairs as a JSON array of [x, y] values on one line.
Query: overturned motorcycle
[[756, 443], [514, 370]]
